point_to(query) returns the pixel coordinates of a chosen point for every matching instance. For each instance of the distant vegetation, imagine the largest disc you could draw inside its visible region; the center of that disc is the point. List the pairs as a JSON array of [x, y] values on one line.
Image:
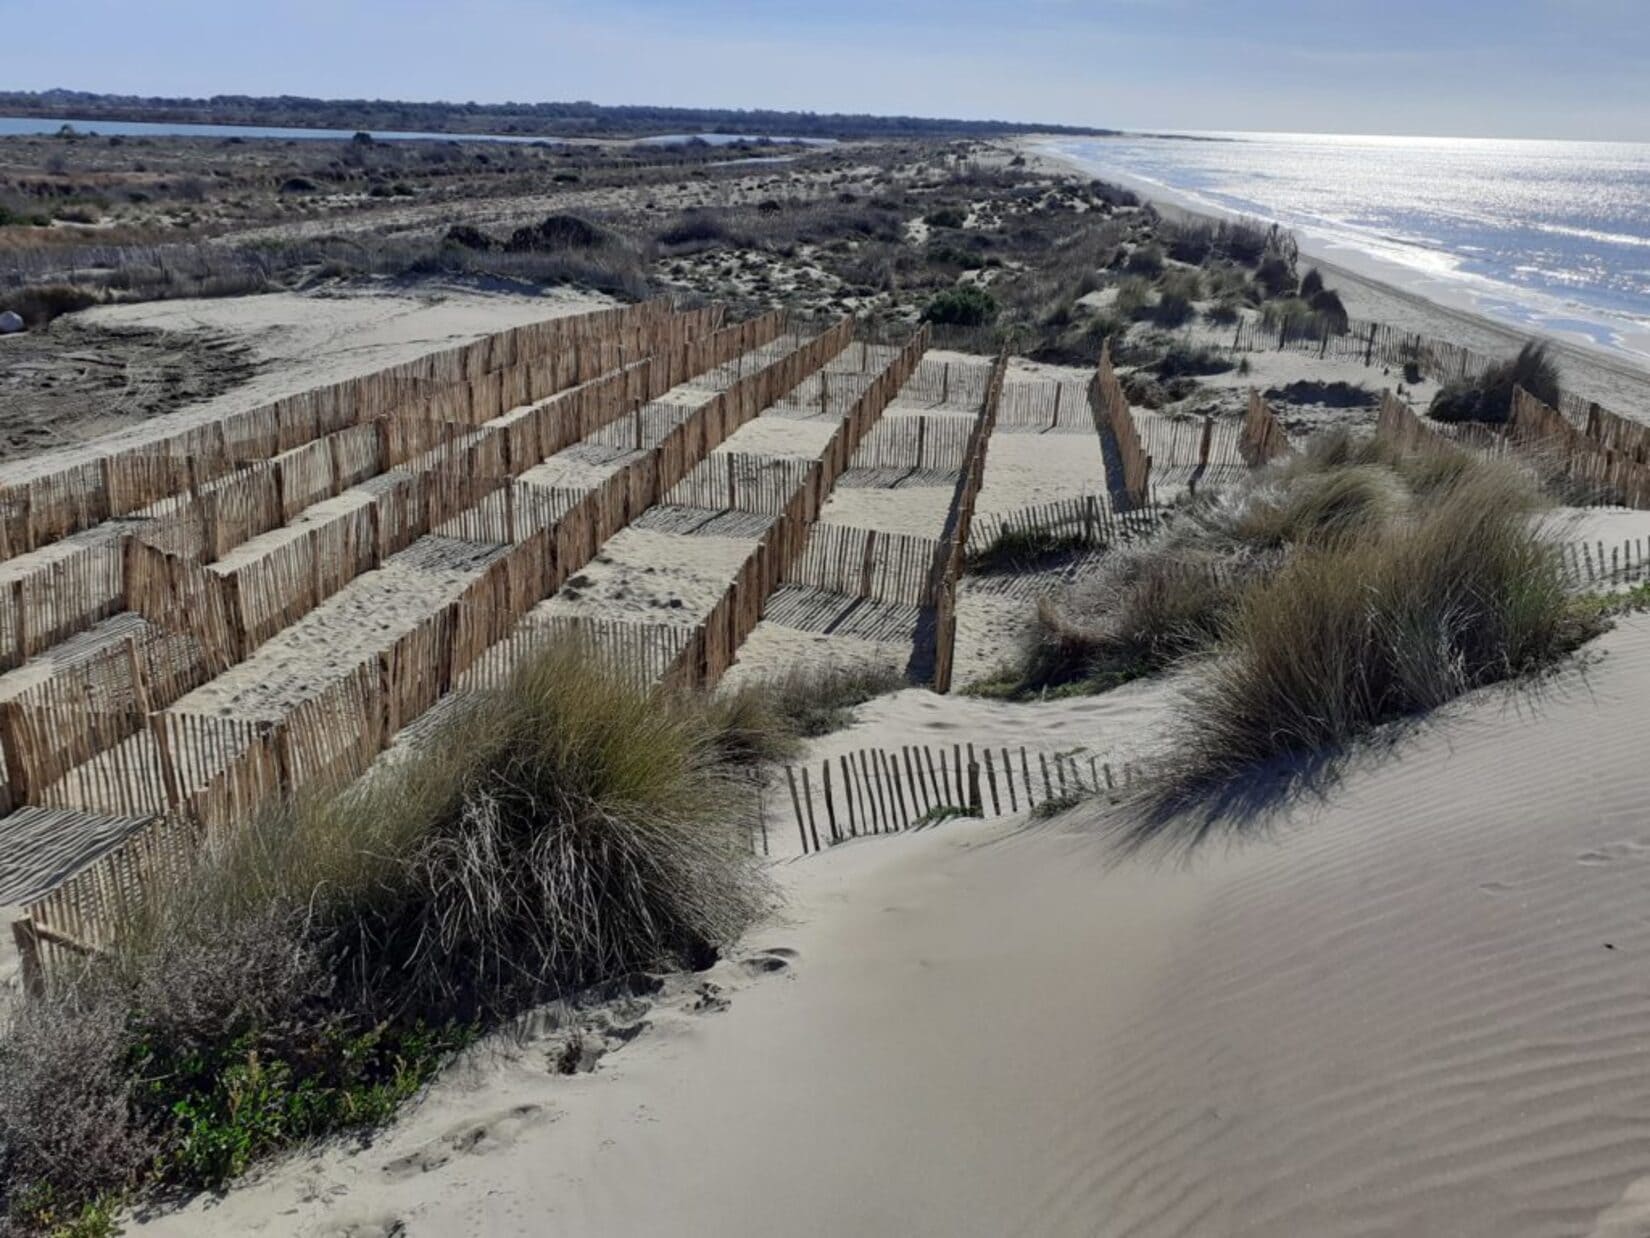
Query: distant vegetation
[[525, 119]]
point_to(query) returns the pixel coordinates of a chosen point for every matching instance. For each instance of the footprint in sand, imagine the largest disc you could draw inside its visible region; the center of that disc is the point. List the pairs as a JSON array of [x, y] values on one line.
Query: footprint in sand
[[1611, 852], [379, 1226], [766, 962], [473, 1138]]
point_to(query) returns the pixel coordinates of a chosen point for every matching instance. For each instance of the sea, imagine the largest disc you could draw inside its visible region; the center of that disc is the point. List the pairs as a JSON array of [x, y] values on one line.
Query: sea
[[1548, 236], [36, 126]]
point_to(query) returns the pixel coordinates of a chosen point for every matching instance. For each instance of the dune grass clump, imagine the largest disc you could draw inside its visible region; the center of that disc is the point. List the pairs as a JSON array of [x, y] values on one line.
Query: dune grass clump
[[318, 966], [776, 714], [1489, 396], [1021, 550], [1147, 612], [1388, 619]]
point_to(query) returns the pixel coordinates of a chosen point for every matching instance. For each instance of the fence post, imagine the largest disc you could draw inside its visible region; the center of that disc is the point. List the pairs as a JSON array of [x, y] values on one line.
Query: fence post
[[808, 798], [830, 804], [796, 807], [31, 972]]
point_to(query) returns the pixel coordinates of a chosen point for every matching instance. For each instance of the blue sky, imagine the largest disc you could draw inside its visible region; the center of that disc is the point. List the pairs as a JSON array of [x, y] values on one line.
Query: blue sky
[[1500, 68]]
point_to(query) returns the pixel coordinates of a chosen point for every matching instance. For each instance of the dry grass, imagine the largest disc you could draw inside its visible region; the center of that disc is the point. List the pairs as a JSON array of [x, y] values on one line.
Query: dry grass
[[315, 968], [1379, 617]]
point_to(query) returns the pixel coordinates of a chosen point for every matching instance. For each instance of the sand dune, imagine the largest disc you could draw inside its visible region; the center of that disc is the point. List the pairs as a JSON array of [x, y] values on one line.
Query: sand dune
[[1418, 1008]]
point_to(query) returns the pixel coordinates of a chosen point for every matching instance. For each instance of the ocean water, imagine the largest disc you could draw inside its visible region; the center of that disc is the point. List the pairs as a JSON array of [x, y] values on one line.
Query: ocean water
[[1551, 236], [36, 126]]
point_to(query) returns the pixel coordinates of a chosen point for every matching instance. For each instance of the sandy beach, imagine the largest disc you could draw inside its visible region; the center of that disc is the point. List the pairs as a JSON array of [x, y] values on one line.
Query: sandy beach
[[1415, 1010], [1413, 1004]]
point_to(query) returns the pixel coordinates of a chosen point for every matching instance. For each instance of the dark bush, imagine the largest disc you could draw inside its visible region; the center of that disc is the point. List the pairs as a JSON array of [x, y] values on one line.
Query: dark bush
[[1191, 242], [556, 232], [696, 228], [1172, 310], [1275, 276], [1184, 361], [1146, 260], [1326, 304], [1488, 397], [1312, 284], [298, 184], [467, 237], [963, 306], [38, 304], [946, 217]]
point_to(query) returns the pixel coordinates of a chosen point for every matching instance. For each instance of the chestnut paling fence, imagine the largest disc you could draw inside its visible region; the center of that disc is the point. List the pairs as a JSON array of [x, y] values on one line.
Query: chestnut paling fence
[[222, 616], [231, 480], [891, 790], [215, 771]]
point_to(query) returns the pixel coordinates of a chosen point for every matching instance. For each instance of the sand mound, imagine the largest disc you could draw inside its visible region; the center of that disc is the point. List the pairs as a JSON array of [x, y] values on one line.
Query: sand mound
[[1419, 1009]]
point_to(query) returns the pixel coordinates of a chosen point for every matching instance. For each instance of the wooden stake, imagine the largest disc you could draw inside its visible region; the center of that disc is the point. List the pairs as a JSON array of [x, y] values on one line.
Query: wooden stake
[[796, 807]]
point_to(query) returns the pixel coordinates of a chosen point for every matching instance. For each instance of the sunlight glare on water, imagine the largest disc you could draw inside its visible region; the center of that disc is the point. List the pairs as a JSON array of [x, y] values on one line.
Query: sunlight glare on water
[[1558, 230]]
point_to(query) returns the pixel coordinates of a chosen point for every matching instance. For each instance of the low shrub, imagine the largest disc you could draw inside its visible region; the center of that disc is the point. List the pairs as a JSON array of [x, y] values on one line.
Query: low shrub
[[1145, 261], [557, 232], [1275, 277], [1020, 550], [1331, 314], [1148, 611], [808, 704], [946, 217], [1186, 361], [39, 304], [696, 228], [1172, 310], [965, 305], [1488, 397]]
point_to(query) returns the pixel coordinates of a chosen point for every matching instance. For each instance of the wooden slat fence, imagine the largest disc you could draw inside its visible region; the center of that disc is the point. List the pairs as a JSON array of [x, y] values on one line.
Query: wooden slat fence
[[1087, 520], [69, 594], [216, 772], [867, 563], [911, 442], [740, 481], [1263, 439], [1398, 425], [715, 643], [1607, 475], [1115, 424], [958, 384], [481, 379], [949, 563], [1043, 406], [890, 790], [1595, 562], [217, 511]]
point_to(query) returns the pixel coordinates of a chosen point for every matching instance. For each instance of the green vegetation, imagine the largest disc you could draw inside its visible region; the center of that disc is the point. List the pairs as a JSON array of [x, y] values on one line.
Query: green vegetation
[[807, 704], [1488, 397], [946, 217], [1398, 594], [1347, 586], [964, 306], [1020, 550], [317, 969]]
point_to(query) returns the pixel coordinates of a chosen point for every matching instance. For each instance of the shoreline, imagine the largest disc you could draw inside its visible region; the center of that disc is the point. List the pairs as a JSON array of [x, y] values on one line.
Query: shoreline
[[1385, 291]]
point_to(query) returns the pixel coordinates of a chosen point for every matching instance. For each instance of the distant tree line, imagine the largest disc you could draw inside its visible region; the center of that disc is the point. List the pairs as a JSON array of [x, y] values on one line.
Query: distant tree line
[[579, 119]]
